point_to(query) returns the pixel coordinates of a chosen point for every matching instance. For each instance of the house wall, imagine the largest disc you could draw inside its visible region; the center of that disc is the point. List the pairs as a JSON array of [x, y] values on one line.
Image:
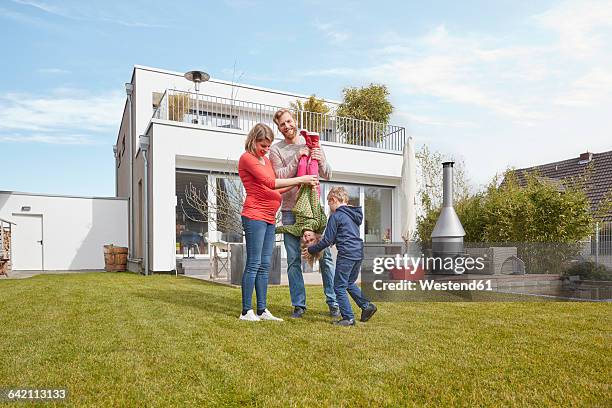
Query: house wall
[[192, 146], [123, 163], [75, 229]]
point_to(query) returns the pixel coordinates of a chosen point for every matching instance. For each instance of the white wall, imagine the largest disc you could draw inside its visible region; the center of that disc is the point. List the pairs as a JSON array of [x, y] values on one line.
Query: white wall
[[183, 145], [75, 229]]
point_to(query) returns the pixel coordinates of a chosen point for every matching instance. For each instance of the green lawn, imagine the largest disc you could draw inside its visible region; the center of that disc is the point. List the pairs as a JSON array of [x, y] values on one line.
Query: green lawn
[[118, 339]]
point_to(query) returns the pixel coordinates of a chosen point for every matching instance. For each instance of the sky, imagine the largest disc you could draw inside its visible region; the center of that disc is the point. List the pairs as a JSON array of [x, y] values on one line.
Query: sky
[[495, 84]]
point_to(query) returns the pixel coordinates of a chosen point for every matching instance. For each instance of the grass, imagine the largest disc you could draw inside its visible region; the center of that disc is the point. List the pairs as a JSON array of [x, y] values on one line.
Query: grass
[[118, 339]]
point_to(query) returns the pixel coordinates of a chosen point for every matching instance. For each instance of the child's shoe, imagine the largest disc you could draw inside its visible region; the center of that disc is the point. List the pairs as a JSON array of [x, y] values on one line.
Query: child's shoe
[[334, 311], [314, 140], [298, 312], [344, 322], [368, 312]]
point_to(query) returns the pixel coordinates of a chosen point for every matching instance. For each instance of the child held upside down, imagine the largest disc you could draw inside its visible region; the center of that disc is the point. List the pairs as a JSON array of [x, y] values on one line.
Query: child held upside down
[[310, 218], [343, 230]]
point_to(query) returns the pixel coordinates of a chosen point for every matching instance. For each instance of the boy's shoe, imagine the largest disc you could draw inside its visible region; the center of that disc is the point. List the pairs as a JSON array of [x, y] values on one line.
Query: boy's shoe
[[344, 322], [250, 316], [334, 311], [298, 312], [266, 315], [368, 312]]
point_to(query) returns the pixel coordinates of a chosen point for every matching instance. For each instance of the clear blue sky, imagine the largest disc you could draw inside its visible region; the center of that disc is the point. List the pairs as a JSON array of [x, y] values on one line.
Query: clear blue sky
[[494, 83]]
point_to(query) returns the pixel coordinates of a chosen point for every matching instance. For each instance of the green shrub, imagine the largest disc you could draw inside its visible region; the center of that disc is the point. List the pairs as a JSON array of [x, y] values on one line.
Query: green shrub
[[589, 270]]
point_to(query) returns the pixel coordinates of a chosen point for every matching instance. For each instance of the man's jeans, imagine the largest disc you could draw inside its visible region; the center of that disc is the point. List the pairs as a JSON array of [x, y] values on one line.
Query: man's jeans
[[294, 268], [347, 272], [259, 246]]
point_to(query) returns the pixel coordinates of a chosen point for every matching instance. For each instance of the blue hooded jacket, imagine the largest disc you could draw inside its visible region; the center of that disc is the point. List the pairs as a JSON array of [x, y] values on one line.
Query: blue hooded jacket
[[343, 230]]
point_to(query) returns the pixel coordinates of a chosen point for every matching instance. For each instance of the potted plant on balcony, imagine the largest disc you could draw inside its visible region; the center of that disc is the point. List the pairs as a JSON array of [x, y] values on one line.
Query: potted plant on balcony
[[311, 114], [179, 104]]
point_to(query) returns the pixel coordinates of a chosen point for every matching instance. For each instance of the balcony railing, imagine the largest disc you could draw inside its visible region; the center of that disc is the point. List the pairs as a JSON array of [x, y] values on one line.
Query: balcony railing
[[189, 107]]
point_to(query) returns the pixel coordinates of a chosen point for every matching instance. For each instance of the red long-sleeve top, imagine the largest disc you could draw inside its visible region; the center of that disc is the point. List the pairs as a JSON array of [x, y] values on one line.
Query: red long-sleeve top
[[262, 201]]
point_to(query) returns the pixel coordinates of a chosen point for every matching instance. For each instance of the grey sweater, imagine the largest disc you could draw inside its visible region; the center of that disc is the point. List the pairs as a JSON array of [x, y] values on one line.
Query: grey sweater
[[284, 158]]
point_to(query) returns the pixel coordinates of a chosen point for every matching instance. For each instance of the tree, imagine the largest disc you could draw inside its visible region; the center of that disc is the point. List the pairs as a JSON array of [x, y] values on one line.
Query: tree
[[538, 212], [359, 107], [312, 114], [430, 173], [510, 213]]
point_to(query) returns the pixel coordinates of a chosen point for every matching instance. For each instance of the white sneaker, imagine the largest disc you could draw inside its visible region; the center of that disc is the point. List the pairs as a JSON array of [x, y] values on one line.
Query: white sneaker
[[250, 316], [266, 315]]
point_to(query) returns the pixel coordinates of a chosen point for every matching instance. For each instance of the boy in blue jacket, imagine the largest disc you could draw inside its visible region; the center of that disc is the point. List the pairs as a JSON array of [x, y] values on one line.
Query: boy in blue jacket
[[343, 230]]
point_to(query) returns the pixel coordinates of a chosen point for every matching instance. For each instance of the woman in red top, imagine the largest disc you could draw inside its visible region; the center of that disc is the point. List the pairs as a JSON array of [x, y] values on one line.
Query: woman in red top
[[263, 198]]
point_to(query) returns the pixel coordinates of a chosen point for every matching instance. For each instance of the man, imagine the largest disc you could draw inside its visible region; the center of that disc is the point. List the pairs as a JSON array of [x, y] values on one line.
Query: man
[[284, 156]]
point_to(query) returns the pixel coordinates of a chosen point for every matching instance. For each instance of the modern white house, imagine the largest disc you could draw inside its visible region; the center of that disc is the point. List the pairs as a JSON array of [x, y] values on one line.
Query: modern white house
[[172, 137]]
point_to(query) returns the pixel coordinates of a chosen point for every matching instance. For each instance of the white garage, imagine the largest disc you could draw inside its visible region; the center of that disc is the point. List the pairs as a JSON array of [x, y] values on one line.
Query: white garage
[[61, 233]]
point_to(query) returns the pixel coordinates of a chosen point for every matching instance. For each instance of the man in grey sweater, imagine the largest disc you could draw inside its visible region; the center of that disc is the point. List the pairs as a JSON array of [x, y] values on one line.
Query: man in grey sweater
[[284, 156]]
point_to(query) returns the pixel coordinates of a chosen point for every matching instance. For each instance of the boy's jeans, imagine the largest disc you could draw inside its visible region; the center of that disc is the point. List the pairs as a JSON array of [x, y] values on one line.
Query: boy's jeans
[[347, 272], [294, 268], [259, 245]]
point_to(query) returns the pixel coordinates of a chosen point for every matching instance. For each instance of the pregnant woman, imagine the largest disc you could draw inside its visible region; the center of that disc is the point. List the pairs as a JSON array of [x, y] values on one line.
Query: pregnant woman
[[263, 198]]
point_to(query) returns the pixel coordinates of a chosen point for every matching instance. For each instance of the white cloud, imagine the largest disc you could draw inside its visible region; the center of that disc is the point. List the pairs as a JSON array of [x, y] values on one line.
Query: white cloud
[[85, 12], [435, 121], [520, 78], [331, 32], [39, 5], [50, 139], [592, 88], [52, 71], [580, 25], [62, 116]]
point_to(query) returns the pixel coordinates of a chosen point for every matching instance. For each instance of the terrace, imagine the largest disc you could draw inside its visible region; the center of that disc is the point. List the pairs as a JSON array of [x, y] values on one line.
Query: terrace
[[214, 111]]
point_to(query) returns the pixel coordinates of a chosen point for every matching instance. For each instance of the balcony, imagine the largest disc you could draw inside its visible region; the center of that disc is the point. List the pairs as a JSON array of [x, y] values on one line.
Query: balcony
[[208, 110]]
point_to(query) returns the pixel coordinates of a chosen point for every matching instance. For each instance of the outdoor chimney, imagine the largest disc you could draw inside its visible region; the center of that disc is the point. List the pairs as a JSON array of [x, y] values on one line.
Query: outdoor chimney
[[447, 235]]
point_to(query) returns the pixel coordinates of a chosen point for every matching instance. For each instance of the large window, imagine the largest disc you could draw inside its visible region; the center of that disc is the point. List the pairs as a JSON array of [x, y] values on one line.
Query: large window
[[352, 190], [191, 224], [377, 206], [229, 198]]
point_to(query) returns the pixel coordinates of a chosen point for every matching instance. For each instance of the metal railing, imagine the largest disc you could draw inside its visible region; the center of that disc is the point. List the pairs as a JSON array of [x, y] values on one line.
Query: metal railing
[[598, 247], [208, 110]]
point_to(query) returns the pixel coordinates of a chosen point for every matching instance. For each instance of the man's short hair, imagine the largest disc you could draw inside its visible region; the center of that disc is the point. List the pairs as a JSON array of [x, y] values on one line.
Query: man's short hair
[[280, 113], [339, 193]]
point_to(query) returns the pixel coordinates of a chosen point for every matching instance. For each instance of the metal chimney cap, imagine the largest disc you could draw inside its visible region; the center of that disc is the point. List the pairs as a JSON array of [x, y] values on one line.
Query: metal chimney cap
[[448, 164], [197, 76]]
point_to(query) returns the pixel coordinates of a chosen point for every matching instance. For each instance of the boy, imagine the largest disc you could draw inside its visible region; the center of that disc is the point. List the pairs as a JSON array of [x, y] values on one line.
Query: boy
[[343, 230]]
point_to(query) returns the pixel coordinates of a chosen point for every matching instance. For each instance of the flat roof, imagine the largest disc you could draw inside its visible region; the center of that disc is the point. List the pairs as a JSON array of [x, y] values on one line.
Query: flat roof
[[246, 86], [61, 195]]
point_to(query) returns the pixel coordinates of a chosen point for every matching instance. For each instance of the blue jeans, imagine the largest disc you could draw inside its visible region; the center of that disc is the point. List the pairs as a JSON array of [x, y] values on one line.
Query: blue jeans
[[294, 268], [259, 245], [347, 272]]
